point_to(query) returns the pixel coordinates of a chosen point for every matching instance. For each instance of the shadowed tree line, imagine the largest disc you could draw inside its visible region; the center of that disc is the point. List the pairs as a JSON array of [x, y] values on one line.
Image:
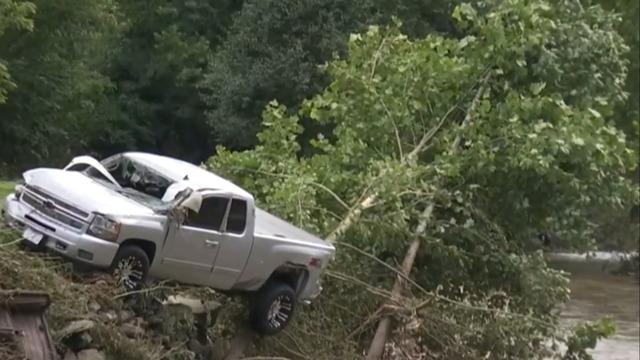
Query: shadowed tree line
[[175, 77]]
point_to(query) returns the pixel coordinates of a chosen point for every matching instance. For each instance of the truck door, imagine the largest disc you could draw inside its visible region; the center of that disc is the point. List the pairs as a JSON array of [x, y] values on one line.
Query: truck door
[[235, 246], [190, 254]]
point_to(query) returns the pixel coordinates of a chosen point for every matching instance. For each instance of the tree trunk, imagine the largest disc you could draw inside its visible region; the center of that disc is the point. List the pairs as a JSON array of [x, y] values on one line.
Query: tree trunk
[[380, 338]]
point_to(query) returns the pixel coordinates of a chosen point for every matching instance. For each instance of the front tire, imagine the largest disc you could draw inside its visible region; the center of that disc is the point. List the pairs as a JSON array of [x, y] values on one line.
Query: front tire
[[130, 268], [273, 308]]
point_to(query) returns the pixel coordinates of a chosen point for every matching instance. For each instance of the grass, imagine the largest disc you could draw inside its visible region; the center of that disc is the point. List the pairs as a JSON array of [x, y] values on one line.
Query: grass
[[6, 187]]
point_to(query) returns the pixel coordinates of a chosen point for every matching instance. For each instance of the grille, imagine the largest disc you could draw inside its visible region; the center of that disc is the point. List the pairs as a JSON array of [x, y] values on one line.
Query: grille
[[58, 202], [52, 212]]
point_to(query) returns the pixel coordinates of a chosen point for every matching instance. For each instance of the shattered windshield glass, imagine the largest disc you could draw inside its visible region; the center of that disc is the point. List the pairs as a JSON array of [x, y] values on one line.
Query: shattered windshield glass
[[137, 181], [133, 175]]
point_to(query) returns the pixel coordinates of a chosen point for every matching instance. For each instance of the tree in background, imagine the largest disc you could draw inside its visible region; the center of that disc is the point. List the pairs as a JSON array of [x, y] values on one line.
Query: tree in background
[[58, 89], [164, 51], [628, 113], [14, 15], [274, 51], [620, 229]]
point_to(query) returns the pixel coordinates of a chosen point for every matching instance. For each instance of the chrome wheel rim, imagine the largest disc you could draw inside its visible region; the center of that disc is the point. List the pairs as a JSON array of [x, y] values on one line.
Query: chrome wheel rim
[[279, 311], [128, 273]]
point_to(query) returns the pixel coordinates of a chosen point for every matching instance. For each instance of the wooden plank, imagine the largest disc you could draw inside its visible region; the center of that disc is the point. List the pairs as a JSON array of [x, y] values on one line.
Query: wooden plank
[[22, 319], [24, 299]]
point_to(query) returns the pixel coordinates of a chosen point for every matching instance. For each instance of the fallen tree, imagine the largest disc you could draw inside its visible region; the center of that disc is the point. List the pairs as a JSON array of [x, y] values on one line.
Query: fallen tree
[[504, 158]]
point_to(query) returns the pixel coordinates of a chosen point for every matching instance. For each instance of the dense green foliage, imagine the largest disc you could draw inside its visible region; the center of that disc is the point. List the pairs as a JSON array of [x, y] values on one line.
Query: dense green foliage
[[173, 77], [59, 90], [507, 118], [13, 16], [181, 77]]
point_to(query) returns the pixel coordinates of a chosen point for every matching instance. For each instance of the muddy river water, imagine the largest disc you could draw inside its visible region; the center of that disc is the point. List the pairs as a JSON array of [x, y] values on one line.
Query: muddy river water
[[595, 294]]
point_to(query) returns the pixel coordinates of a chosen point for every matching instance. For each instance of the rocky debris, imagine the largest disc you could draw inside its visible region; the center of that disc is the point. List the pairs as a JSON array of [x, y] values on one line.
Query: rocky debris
[[197, 306], [177, 320], [70, 355], [204, 313], [220, 349], [79, 343], [94, 307], [132, 330], [75, 327], [125, 315], [110, 315], [82, 341], [90, 354], [75, 336]]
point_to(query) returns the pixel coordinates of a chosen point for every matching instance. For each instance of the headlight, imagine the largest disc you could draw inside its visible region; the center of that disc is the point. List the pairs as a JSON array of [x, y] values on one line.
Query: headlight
[[104, 228]]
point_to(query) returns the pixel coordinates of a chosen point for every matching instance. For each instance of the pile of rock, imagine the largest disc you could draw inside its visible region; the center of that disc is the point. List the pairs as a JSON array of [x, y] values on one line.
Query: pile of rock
[[78, 341], [178, 319]]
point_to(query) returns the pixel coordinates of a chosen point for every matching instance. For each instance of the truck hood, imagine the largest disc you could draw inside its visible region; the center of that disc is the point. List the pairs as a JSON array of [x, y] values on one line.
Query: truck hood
[[83, 192]]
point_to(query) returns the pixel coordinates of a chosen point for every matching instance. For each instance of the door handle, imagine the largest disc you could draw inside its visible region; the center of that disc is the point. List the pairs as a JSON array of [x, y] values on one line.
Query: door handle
[[211, 243]]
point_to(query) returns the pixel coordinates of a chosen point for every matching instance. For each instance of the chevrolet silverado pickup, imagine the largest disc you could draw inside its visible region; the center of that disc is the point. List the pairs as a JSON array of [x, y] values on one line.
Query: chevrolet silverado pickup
[[142, 215]]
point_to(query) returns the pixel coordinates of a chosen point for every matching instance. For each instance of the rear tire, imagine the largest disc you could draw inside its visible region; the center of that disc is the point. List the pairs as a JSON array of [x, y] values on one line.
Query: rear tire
[[130, 268], [273, 308]]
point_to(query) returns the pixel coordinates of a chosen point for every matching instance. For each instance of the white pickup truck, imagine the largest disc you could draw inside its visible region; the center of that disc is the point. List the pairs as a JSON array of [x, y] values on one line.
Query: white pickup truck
[[141, 215]]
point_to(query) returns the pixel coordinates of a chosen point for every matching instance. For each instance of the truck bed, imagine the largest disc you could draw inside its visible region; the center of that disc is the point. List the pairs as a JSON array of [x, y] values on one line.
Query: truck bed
[[270, 225]]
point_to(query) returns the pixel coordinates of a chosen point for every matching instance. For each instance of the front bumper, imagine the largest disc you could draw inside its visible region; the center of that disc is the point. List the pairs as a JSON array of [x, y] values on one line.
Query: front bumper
[[62, 239]]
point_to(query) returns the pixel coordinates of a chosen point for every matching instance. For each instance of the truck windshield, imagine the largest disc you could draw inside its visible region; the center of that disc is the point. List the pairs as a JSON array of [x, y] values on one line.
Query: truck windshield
[[137, 181], [134, 175]]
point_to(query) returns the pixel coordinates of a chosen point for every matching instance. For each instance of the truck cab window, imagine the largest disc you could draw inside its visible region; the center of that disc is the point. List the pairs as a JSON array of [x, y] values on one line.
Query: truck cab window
[[237, 220], [211, 214]]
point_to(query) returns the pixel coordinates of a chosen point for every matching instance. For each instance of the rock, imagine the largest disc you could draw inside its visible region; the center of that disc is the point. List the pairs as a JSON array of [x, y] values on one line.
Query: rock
[[75, 327], [195, 346], [82, 341], [90, 354], [126, 315], [110, 315], [94, 307], [101, 283], [197, 306], [132, 330], [220, 348], [139, 322], [70, 355]]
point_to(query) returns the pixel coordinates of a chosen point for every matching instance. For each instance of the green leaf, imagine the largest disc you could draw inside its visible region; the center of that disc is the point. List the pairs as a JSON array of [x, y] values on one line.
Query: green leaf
[[536, 88]]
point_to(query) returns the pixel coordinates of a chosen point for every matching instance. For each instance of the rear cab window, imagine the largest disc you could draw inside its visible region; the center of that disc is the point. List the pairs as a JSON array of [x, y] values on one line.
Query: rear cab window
[[237, 220]]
